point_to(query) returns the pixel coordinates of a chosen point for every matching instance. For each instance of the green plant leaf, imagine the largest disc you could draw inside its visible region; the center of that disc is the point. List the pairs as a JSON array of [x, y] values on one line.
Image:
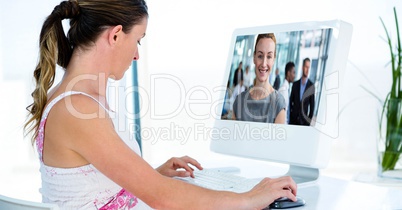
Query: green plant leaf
[[398, 69], [392, 107], [383, 111], [392, 58]]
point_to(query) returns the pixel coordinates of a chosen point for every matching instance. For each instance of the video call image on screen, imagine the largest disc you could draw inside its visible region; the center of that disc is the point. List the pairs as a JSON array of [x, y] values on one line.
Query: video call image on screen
[[295, 68]]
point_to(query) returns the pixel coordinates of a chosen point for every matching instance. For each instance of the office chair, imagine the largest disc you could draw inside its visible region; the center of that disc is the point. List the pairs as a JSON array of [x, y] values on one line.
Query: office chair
[[7, 203]]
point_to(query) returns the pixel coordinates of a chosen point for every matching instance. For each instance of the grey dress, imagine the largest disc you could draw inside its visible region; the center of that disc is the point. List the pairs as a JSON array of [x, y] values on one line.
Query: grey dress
[[246, 108]]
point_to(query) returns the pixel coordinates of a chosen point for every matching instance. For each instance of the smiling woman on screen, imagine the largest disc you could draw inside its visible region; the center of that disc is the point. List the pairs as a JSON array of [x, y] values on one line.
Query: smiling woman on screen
[[262, 103]]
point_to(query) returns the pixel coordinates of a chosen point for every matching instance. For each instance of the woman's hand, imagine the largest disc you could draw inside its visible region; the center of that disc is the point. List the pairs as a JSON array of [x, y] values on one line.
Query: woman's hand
[[269, 190], [170, 167]]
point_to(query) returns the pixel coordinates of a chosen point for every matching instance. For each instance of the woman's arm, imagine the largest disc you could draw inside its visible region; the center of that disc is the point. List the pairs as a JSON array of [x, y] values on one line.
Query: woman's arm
[[98, 143], [281, 117]]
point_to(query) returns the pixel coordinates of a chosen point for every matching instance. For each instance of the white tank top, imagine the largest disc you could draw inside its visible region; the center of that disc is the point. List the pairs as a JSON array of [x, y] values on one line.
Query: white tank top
[[82, 187]]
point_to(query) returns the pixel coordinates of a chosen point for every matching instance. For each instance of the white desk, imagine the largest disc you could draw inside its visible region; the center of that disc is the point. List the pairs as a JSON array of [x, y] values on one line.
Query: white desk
[[331, 193], [326, 193]]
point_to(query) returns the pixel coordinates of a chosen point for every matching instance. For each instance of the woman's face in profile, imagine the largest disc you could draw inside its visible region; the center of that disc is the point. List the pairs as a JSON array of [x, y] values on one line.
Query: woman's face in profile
[[264, 58]]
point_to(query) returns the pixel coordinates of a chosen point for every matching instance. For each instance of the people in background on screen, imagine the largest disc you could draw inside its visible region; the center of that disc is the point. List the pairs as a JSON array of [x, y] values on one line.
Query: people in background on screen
[[84, 164], [239, 88], [277, 81], [238, 74], [248, 77], [302, 98], [226, 103], [285, 88], [261, 103]]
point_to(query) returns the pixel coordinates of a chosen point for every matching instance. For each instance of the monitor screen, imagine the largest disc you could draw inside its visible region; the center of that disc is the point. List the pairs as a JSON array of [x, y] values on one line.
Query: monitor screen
[[282, 92], [287, 77]]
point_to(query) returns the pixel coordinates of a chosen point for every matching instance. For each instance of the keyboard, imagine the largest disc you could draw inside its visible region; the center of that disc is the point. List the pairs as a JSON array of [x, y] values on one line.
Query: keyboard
[[218, 180]]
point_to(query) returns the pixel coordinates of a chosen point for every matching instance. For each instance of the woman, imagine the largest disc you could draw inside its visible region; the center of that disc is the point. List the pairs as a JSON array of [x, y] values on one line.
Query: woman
[[261, 103], [84, 163]]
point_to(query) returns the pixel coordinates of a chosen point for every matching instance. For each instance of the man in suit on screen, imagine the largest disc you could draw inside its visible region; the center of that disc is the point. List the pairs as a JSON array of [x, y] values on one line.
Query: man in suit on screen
[[302, 99]]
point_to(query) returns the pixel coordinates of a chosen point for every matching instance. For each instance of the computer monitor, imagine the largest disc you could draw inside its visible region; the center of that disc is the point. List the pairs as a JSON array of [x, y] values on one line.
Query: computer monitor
[[305, 148]]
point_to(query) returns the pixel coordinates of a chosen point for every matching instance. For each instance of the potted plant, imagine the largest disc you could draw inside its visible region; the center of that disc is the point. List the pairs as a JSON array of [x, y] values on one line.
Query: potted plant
[[390, 143]]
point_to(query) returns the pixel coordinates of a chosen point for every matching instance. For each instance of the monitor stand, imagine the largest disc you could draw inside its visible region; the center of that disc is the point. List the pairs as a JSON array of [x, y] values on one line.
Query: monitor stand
[[303, 175]]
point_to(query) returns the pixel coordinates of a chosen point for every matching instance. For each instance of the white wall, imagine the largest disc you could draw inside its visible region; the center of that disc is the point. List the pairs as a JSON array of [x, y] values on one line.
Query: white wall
[[189, 41]]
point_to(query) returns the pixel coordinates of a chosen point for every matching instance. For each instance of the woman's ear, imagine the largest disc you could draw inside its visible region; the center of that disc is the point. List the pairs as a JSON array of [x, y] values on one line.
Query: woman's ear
[[115, 34]]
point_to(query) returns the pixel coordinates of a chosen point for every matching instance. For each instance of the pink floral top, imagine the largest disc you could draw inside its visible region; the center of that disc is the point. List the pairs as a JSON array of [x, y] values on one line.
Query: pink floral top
[[82, 187]]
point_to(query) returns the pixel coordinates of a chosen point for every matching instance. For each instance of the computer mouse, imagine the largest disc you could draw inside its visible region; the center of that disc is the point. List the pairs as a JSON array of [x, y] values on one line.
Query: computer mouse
[[284, 203]]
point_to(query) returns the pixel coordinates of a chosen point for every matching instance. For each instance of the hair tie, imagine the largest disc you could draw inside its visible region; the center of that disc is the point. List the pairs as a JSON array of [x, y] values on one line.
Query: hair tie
[[67, 9]]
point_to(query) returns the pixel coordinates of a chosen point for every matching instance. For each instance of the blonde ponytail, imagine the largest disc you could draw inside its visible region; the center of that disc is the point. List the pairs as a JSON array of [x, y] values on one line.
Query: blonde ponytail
[[53, 48]]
